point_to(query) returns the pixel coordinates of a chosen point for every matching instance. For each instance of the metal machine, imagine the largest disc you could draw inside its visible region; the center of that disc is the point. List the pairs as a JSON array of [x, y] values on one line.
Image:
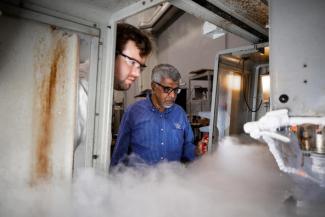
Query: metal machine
[[293, 126]]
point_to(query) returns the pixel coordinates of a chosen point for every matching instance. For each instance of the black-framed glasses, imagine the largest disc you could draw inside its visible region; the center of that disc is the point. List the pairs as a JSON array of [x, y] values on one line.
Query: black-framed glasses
[[168, 90], [132, 62]]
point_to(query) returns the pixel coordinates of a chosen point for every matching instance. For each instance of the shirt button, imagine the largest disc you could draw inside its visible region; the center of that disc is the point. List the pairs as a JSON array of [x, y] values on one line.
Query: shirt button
[[162, 158], [162, 129], [161, 116], [162, 143]]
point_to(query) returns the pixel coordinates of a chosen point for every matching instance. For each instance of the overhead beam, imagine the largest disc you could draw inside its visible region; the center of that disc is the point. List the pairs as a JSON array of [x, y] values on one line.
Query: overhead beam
[[227, 16]]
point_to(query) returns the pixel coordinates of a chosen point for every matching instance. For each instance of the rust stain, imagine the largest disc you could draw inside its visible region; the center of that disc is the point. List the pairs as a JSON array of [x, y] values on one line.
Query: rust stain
[[49, 72]]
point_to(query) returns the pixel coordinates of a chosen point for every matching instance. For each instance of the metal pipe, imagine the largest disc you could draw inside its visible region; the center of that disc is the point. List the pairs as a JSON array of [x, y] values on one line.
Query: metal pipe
[[230, 60], [307, 120], [257, 70]]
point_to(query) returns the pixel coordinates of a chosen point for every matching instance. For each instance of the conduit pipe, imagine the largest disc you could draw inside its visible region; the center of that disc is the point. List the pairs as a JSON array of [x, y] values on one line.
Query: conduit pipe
[[257, 72], [307, 120]]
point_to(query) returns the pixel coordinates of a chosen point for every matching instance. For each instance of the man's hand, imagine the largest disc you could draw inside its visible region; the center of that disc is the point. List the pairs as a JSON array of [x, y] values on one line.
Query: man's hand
[[202, 146]]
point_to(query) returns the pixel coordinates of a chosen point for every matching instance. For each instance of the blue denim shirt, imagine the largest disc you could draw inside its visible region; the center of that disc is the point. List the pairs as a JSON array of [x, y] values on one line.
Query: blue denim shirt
[[154, 136]]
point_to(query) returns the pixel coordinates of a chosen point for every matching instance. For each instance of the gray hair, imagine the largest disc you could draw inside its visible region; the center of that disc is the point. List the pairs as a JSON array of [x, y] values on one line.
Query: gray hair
[[165, 71]]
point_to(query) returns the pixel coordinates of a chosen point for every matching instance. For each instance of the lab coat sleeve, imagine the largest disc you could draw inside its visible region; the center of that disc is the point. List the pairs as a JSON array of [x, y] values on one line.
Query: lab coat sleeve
[[123, 140], [82, 113]]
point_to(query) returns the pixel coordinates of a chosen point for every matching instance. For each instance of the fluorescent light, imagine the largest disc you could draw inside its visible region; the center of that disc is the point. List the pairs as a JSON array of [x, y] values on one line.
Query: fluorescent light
[[266, 83], [212, 30], [234, 81], [266, 51]]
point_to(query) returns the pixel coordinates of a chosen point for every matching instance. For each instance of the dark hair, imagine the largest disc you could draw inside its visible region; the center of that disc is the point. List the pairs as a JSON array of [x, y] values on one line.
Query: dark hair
[[126, 32]]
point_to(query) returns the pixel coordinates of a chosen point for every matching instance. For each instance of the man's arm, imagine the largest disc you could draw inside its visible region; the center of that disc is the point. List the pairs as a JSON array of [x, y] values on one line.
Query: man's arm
[[189, 148], [123, 140]]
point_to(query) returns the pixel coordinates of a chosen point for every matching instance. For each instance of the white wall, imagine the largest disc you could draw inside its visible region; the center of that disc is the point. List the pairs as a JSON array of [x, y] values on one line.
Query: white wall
[[184, 46]]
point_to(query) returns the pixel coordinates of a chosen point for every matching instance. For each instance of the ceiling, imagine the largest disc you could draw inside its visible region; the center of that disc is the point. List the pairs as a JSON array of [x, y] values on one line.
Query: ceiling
[[254, 10], [241, 17], [246, 18]]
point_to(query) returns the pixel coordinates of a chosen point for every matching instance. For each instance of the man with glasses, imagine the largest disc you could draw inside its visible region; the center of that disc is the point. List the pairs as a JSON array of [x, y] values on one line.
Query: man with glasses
[[133, 46], [132, 49], [156, 129]]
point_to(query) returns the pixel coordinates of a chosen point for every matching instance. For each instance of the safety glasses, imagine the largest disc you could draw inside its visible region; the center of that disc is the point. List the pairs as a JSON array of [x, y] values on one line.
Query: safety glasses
[[168, 90], [133, 62]]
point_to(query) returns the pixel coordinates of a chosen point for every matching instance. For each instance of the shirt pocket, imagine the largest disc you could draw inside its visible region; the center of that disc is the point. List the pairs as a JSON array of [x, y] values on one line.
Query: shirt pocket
[[178, 138]]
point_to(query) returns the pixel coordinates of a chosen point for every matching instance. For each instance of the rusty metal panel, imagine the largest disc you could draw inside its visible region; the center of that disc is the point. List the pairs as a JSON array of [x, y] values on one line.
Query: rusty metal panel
[[39, 66]]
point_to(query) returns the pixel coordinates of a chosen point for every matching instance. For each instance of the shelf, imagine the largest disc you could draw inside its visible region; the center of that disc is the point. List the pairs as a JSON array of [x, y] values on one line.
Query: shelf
[[201, 94]]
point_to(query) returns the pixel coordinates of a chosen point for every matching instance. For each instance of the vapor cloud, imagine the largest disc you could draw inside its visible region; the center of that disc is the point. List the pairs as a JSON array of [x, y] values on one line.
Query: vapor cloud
[[239, 179]]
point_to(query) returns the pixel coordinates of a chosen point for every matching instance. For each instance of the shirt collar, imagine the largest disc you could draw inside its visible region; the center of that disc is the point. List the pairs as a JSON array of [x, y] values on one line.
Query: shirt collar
[[150, 105]]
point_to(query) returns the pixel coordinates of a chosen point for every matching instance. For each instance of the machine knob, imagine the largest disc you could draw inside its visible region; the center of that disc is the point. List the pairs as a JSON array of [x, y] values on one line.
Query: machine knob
[[284, 98]]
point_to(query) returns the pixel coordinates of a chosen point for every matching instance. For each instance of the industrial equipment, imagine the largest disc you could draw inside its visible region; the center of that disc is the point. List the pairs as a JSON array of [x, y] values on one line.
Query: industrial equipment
[[274, 85]]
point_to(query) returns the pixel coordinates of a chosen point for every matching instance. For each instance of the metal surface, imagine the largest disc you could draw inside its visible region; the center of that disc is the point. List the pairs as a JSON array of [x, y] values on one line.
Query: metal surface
[[235, 18], [84, 140], [255, 92], [229, 59], [256, 11], [55, 67], [55, 13], [134, 9], [38, 89], [44, 18], [297, 56], [171, 15], [104, 100], [246, 18], [156, 19], [154, 16], [93, 76], [97, 11], [207, 15]]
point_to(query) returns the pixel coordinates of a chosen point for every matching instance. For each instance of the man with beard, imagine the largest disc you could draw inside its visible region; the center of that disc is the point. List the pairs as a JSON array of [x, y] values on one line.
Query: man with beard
[[132, 49], [133, 46]]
